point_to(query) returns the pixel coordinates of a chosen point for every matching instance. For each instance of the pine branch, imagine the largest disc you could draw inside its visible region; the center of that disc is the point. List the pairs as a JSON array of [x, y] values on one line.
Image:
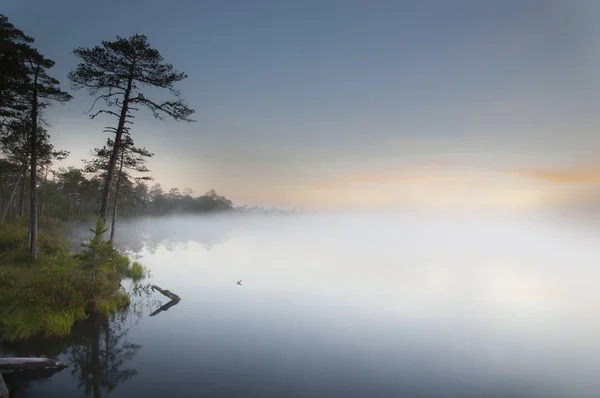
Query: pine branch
[[175, 109], [103, 111]]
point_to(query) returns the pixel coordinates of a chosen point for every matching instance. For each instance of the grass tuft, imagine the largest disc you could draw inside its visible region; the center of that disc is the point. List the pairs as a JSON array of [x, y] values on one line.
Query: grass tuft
[[136, 272]]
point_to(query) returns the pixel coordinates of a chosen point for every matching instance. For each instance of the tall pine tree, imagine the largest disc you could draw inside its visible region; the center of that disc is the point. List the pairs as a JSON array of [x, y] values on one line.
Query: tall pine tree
[[116, 72], [13, 71], [38, 93]]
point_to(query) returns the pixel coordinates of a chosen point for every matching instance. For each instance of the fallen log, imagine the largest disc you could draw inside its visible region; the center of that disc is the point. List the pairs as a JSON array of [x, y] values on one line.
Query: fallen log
[[29, 363], [167, 293]]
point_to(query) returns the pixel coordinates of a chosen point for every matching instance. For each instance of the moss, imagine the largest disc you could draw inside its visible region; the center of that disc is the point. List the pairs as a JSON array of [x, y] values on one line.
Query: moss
[[48, 296]]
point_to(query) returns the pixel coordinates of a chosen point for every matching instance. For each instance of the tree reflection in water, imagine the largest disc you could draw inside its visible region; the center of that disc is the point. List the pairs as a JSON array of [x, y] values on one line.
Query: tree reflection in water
[[97, 353], [99, 357], [149, 234], [136, 235]]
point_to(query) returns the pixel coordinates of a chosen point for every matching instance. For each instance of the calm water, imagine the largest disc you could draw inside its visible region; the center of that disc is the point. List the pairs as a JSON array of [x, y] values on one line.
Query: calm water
[[403, 305]]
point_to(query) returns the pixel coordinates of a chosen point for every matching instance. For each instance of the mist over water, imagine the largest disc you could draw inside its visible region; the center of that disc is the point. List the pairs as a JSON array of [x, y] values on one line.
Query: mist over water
[[360, 305]]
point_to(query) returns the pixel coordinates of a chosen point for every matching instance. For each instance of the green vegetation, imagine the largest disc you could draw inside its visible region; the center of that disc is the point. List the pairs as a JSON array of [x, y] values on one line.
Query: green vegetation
[[44, 288], [136, 272], [48, 296]]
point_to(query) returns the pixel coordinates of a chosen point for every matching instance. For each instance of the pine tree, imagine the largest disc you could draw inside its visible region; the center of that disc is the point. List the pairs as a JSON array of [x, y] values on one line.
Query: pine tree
[[115, 72], [13, 72], [131, 158], [42, 88], [26, 89]]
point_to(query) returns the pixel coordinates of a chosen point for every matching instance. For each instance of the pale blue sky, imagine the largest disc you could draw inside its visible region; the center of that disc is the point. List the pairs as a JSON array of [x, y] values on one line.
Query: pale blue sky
[[292, 92]]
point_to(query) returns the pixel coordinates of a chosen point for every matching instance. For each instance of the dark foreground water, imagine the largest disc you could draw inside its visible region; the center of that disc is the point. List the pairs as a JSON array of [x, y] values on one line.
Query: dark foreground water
[[405, 305]]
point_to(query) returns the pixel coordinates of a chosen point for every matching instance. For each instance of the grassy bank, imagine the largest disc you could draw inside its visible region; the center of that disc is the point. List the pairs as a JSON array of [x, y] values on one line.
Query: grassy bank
[[48, 296]]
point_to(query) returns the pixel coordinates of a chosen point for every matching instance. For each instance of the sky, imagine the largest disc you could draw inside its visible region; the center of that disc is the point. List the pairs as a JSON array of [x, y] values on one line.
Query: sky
[[347, 103]]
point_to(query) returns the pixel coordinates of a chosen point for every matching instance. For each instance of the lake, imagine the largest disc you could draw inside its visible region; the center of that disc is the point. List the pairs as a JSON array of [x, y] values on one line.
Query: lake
[[404, 304]]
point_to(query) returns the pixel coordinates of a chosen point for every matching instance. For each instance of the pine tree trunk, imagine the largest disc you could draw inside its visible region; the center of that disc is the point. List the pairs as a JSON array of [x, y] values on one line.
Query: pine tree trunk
[[106, 347], [44, 191], [33, 223], [114, 217], [22, 193], [112, 165], [12, 194]]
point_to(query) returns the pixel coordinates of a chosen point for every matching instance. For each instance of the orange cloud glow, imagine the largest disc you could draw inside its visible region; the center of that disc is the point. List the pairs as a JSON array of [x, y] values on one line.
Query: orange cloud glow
[[438, 184], [584, 173], [430, 185]]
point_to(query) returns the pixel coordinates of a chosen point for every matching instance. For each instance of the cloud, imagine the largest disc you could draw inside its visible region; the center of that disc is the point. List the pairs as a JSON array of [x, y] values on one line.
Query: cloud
[[432, 171], [438, 183], [582, 173], [378, 178]]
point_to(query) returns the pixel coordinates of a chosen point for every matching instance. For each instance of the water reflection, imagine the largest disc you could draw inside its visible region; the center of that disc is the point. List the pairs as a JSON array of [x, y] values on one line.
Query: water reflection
[[466, 306], [100, 356], [164, 307], [96, 353], [19, 382], [174, 233]]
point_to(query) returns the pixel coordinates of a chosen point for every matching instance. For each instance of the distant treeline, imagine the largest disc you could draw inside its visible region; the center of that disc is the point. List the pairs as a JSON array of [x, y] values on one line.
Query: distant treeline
[[115, 179], [45, 288], [71, 193]]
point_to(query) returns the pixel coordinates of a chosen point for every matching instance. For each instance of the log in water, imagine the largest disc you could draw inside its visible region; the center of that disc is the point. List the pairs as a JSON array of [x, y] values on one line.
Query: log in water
[[167, 293], [29, 363]]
